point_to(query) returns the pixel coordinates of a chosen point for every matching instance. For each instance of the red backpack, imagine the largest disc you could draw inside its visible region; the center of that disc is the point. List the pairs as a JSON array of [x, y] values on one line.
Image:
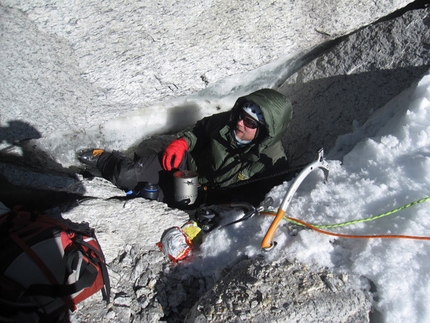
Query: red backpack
[[46, 267]]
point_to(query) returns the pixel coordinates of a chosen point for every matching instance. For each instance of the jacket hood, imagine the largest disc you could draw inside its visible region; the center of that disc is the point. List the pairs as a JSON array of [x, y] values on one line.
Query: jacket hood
[[277, 111]]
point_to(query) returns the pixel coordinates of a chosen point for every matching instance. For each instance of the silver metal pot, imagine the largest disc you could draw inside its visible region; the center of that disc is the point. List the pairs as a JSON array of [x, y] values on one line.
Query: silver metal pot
[[186, 187]]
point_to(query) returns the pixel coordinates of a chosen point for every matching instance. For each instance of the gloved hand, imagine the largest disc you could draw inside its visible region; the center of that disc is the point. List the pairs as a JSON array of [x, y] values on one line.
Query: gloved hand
[[174, 153]]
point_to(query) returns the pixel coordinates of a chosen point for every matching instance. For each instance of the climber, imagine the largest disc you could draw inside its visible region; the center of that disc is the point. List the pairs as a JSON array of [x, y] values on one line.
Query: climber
[[225, 149]]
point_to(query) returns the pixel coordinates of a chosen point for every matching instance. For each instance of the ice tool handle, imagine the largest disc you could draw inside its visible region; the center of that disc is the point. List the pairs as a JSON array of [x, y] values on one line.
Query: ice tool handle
[[321, 163]]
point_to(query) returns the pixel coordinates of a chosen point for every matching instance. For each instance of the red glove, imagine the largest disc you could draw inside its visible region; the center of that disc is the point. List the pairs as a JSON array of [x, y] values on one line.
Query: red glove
[[174, 153]]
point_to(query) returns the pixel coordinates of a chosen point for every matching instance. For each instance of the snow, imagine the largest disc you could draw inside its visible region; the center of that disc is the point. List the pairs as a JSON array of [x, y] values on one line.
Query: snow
[[383, 165], [386, 169]]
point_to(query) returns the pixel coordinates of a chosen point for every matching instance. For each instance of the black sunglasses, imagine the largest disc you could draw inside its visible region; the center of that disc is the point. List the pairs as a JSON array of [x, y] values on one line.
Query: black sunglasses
[[248, 121]]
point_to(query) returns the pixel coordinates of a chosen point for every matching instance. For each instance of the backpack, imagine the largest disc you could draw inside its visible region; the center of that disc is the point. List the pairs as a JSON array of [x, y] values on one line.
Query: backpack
[[46, 267]]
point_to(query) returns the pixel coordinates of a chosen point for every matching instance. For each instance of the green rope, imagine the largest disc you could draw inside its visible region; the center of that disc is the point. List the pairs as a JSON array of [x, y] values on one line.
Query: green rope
[[337, 225]]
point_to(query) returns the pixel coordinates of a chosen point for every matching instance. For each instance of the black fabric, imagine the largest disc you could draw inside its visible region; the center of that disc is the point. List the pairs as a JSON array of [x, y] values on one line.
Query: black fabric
[[254, 190], [127, 174], [86, 280]]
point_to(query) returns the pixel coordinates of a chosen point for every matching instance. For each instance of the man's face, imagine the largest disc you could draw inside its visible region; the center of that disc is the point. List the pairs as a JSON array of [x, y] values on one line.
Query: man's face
[[246, 127]]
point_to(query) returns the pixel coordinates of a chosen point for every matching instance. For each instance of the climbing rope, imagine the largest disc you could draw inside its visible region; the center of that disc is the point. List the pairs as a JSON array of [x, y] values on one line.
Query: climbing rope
[[318, 228], [353, 236]]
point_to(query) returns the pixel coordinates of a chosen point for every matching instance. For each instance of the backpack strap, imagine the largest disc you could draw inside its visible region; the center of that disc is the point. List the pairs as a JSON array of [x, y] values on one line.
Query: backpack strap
[[101, 261], [86, 280]]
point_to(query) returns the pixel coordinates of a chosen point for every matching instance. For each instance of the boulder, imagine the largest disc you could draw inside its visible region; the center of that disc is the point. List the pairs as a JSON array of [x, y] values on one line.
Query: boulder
[[103, 59], [337, 91], [281, 291]]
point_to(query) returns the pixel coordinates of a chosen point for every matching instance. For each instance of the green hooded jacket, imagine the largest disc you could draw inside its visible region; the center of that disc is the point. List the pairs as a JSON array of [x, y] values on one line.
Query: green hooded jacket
[[215, 154]]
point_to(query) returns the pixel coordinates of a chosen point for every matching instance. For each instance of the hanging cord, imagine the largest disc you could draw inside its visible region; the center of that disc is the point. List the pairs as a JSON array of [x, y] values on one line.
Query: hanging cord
[[318, 228]]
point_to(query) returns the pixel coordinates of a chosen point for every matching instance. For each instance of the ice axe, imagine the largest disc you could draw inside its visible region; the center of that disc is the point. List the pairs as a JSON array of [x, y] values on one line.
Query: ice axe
[[320, 162]]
